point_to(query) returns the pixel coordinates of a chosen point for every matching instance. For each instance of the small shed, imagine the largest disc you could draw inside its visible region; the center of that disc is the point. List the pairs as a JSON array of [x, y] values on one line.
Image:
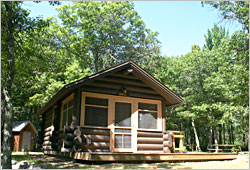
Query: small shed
[[23, 135]]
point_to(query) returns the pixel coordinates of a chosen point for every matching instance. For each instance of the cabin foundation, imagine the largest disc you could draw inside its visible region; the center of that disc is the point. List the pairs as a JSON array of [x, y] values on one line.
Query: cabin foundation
[[151, 157]]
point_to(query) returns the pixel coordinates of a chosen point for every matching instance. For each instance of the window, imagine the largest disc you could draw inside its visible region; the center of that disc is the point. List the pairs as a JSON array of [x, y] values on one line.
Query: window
[[67, 111], [147, 116], [96, 112], [120, 112], [123, 114]]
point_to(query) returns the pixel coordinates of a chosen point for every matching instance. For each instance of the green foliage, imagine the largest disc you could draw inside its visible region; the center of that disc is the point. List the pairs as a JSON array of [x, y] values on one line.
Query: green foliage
[[104, 34], [213, 82], [91, 36], [214, 37], [233, 10], [47, 84]]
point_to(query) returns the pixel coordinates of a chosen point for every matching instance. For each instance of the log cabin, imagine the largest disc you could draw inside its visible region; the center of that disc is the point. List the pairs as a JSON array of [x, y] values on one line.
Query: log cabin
[[113, 113]]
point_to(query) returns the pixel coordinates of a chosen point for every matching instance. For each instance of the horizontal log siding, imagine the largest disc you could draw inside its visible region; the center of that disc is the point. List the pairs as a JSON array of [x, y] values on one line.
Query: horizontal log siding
[[48, 138], [50, 135], [112, 84], [150, 141], [48, 131], [168, 142], [94, 140]]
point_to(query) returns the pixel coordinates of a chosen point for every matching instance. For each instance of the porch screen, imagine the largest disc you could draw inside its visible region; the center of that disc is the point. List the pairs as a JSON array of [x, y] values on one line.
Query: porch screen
[[147, 116], [123, 114], [96, 112]]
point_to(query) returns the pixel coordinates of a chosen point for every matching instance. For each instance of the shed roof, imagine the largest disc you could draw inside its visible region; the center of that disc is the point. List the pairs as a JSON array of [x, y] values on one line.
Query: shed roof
[[20, 125], [170, 97]]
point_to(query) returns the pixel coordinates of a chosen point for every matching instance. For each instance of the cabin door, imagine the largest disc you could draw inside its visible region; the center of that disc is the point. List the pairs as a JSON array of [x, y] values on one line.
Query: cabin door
[[26, 141], [122, 131]]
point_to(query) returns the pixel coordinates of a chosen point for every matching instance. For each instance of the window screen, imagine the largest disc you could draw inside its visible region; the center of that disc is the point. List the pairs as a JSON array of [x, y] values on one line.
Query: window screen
[[64, 118], [123, 114], [96, 116], [96, 101], [122, 141], [118, 141], [70, 114], [67, 113], [146, 106], [127, 141], [123, 130], [147, 120]]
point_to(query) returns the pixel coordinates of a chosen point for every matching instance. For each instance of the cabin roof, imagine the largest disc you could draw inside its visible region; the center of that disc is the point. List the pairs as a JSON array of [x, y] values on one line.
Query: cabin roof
[[18, 126], [170, 97]]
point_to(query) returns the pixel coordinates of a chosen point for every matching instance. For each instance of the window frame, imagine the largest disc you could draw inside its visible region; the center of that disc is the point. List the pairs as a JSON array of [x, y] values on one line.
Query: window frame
[[150, 111], [83, 105], [135, 109], [66, 101]]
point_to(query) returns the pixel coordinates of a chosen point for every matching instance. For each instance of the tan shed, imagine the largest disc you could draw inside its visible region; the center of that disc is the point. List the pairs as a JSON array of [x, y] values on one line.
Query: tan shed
[[23, 136]]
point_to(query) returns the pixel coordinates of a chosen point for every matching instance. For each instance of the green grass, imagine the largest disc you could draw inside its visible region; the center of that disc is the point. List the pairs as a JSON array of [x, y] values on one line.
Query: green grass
[[34, 160], [24, 157]]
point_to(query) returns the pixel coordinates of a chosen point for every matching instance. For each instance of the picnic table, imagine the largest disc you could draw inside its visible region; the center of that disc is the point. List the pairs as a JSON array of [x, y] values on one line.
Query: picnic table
[[220, 147]]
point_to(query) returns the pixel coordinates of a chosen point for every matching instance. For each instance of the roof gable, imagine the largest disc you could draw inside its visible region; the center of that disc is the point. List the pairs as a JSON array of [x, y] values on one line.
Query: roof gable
[[18, 126], [130, 71]]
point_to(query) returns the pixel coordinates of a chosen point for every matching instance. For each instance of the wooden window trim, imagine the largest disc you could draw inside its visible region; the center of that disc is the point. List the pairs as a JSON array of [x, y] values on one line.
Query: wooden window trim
[[94, 127], [66, 100], [159, 116], [120, 100], [135, 111], [92, 105], [111, 99], [151, 111]]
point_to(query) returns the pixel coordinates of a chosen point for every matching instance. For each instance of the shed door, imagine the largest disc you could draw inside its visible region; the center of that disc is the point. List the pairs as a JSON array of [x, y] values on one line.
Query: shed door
[[26, 141], [122, 126]]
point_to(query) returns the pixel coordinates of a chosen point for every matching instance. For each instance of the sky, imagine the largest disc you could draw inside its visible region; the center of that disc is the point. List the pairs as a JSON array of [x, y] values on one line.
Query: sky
[[180, 24]]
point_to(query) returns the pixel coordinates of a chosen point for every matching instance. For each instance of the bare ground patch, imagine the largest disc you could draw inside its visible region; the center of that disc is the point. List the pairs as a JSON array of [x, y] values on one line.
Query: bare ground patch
[[50, 162]]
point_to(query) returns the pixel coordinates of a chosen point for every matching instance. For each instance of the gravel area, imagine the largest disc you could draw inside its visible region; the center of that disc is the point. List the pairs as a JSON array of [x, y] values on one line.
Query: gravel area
[[50, 162]]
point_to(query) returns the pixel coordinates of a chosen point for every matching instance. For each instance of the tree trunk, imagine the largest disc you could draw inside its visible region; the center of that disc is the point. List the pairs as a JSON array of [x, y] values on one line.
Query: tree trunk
[[224, 134], [220, 133], [248, 141], [96, 66], [215, 139], [196, 136], [210, 137], [7, 129], [3, 106], [232, 132], [229, 134], [243, 140]]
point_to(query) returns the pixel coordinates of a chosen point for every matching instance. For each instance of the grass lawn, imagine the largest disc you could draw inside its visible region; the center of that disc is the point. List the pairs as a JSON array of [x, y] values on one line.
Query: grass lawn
[[49, 162]]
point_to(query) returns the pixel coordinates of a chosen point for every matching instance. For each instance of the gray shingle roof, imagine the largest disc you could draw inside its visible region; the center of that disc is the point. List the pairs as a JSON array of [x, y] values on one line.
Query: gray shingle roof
[[19, 125]]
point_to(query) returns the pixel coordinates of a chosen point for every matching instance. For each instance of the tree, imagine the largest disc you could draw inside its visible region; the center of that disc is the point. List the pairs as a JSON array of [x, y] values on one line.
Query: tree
[[233, 11], [104, 34], [14, 22], [214, 37], [7, 130]]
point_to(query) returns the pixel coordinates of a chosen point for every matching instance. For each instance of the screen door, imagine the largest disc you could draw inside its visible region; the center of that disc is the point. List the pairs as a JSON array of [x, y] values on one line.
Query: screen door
[[122, 126]]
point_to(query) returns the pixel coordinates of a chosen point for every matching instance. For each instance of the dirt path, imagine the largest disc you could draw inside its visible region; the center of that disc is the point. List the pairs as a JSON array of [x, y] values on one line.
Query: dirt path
[[49, 162]]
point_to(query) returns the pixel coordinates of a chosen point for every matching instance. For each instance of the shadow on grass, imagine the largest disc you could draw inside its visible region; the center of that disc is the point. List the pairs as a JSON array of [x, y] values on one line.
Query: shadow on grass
[[51, 162]]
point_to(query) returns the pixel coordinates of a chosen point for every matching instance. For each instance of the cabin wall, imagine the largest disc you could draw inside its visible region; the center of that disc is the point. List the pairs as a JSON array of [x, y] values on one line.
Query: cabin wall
[[16, 141], [115, 83], [74, 138], [56, 139], [48, 136], [92, 140], [149, 141]]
